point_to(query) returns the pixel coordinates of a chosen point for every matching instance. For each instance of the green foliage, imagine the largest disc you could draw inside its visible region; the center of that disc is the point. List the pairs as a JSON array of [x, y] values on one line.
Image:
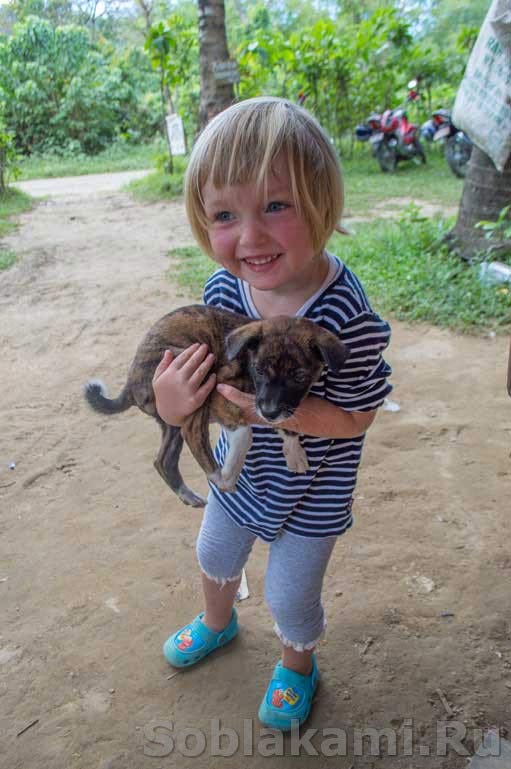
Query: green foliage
[[500, 229], [55, 11], [62, 92], [172, 47], [74, 79], [348, 67]]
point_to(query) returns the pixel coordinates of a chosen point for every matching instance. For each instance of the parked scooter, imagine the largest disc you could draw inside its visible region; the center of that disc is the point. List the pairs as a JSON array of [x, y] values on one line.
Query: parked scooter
[[457, 145], [392, 136]]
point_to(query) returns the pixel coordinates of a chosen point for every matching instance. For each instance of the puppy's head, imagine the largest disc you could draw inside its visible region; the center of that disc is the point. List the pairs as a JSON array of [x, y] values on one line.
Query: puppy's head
[[284, 357]]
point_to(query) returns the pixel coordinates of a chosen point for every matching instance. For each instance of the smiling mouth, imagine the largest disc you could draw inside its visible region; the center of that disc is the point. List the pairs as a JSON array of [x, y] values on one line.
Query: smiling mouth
[[258, 261]]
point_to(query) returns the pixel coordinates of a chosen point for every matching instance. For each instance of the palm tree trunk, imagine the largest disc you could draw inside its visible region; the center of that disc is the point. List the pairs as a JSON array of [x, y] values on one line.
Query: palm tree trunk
[[215, 94], [485, 193]]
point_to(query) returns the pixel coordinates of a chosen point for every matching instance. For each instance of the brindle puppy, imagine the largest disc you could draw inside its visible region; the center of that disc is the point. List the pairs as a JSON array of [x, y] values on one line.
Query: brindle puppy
[[277, 359]]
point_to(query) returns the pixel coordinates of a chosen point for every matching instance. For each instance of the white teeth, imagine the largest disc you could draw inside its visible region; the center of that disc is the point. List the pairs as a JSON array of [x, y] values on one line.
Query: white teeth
[[265, 260]]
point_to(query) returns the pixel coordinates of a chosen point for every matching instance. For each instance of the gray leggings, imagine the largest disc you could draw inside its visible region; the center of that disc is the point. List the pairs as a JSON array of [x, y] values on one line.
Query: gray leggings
[[294, 574]]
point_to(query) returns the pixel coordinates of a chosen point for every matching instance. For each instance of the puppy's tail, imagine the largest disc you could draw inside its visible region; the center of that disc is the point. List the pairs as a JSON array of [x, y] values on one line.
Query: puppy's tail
[[96, 396]]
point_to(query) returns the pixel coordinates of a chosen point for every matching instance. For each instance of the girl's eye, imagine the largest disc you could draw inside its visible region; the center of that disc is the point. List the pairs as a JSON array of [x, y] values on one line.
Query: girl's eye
[[275, 206], [222, 216]]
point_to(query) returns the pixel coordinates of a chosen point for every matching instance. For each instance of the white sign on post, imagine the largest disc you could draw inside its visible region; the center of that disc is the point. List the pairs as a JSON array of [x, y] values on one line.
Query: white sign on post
[[176, 134]]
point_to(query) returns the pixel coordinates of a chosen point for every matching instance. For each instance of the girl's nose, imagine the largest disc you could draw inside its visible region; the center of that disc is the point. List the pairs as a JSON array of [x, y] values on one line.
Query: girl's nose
[[252, 233]]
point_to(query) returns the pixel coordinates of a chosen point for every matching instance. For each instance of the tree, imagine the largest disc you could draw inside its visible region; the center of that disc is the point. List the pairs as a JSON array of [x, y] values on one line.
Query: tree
[[217, 91], [482, 104], [485, 193]]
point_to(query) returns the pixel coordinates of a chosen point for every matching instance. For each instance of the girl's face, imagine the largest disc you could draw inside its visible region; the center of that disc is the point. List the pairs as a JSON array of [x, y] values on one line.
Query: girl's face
[[261, 239]]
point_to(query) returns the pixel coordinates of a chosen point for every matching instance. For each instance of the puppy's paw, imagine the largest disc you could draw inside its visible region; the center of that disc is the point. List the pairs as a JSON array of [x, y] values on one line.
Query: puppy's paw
[[190, 497], [223, 483], [296, 458]]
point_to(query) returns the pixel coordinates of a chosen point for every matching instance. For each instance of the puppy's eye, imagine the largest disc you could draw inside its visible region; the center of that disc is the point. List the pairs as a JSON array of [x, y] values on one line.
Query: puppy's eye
[[259, 369], [300, 376]]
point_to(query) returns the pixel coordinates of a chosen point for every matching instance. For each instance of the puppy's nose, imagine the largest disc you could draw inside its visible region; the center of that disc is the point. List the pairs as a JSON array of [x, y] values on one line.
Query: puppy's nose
[[270, 411]]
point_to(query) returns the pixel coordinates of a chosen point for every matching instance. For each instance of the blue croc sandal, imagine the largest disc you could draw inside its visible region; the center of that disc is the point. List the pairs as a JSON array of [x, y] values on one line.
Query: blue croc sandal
[[194, 641], [288, 697]]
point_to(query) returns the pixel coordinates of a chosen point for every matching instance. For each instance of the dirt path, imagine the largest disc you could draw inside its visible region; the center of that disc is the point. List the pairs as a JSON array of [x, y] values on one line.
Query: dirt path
[[97, 558]]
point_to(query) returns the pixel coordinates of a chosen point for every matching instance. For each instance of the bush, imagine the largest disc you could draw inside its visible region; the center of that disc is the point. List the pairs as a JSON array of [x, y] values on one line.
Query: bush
[[64, 94]]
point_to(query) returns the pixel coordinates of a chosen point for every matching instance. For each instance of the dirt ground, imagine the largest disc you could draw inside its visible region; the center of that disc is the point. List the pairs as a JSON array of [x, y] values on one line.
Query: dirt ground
[[98, 563]]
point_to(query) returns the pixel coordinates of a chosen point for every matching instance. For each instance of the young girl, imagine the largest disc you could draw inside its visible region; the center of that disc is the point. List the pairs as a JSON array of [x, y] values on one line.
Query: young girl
[[263, 195]]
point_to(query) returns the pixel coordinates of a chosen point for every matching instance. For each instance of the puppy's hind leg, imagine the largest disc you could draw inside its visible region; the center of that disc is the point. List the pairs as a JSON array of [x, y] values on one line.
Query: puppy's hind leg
[[167, 464]]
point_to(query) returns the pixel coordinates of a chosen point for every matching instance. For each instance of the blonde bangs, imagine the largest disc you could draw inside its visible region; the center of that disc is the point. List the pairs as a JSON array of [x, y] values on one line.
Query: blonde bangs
[[242, 144]]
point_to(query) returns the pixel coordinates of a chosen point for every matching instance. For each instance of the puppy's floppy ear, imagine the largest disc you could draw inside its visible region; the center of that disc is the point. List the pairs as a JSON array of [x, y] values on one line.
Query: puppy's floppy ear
[[242, 339], [332, 351]]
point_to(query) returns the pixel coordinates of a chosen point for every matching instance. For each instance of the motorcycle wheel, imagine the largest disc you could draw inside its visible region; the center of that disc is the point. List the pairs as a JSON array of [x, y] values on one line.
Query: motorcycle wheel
[[419, 149], [457, 154], [387, 158]]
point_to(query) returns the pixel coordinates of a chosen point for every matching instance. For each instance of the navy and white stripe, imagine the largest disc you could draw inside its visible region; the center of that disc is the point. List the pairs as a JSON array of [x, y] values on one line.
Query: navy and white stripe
[[268, 496]]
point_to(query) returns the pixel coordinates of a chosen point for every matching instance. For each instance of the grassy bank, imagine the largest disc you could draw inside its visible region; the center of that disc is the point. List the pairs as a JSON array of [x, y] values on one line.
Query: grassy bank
[[159, 185], [118, 157], [12, 202], [366, 186], [406, 271]]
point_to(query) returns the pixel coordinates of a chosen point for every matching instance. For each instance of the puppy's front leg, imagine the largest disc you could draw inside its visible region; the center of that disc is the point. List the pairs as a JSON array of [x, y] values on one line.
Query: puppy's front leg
[[296, 458], [240, 441]]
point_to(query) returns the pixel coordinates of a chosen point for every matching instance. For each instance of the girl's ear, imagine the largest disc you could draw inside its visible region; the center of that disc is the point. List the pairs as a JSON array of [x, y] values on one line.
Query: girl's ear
[[241, 339], [331, 350]]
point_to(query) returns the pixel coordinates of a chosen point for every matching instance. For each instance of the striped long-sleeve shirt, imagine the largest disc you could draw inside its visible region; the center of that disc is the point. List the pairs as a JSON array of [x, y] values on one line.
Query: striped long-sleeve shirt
[[268, 496]]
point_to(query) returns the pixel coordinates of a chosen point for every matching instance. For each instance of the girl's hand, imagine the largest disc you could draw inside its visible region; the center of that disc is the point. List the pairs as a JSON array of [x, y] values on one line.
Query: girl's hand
[[180, 384], [245, 401]]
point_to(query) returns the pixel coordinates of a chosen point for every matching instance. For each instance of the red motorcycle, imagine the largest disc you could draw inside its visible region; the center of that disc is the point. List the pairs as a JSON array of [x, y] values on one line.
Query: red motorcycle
[[392, 136]]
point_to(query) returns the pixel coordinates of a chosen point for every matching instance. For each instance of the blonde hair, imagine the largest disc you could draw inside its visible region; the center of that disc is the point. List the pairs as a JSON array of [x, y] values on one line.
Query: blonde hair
[[241, 144]]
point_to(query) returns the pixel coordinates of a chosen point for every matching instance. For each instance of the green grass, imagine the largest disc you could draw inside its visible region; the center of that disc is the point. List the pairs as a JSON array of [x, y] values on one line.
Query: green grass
[[366, 186], [406, 271], [12, 202], [156, 186], [189, 270], [118, 157], [7, 258]]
